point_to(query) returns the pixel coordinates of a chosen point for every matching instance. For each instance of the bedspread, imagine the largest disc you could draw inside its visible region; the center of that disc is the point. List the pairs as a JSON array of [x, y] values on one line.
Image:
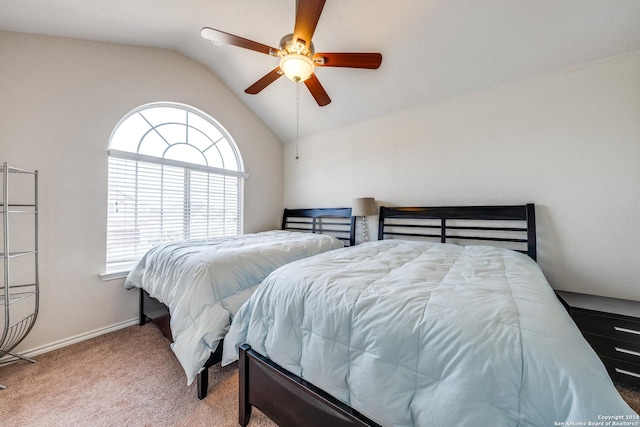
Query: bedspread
[[417, 333], [204, 282]]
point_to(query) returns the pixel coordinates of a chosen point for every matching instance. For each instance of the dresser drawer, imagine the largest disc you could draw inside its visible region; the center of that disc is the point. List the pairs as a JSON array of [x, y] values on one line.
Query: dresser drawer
[[622, 371], [617, 327], [615, 348]]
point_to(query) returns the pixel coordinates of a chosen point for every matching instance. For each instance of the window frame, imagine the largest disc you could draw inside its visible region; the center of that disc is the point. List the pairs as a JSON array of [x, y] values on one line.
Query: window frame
[[112, 270]]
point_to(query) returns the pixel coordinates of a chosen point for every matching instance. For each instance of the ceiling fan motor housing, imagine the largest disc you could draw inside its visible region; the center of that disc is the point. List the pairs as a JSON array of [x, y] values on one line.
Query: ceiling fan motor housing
[[289, 45]]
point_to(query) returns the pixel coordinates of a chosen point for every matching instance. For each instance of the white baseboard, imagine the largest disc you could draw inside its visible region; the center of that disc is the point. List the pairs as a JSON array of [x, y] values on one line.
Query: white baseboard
[[75, 339]]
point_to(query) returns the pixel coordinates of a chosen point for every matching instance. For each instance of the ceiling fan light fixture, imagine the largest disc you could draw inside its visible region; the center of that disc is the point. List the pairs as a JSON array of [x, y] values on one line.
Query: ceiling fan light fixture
[[297, 53], [297, 67]]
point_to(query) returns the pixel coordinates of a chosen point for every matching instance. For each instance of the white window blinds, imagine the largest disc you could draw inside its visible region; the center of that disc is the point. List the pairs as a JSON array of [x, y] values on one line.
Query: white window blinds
[[152, 200]]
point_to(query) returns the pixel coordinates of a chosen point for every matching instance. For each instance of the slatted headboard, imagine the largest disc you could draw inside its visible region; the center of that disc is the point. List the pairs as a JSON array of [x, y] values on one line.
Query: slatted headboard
[[513, 227], [337, 222]]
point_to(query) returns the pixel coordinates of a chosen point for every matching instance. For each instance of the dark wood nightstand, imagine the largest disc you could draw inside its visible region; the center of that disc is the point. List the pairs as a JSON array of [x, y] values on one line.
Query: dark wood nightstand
[[612, 327]]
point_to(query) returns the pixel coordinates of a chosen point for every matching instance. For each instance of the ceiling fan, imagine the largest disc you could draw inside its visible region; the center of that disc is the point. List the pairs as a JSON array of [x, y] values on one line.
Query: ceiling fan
[[297, 54]]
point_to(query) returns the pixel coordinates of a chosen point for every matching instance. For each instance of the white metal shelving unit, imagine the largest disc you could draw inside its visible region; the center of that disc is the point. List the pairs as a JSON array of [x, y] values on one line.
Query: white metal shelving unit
[[20, 291]]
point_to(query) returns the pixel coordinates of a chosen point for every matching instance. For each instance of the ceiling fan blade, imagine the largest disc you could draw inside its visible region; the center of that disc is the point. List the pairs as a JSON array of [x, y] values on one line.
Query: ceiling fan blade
[[307, 16], [351, 60], [269, 78], [217, 36], [316, 89]]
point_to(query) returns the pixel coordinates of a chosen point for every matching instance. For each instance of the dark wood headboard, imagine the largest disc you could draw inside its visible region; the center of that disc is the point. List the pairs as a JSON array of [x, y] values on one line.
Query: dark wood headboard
[[513, 227], [337, 222]]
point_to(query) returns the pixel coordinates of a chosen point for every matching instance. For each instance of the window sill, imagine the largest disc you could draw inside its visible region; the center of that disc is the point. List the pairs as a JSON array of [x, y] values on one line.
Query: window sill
[[113, 275]]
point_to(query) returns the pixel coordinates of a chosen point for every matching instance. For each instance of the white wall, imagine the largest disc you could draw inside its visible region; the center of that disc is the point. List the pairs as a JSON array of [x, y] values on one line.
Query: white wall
[[59, 101], [568, 141]]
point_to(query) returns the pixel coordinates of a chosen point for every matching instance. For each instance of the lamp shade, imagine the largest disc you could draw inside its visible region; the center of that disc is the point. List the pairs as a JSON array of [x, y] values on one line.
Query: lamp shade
[[296, 67], [364, 206]]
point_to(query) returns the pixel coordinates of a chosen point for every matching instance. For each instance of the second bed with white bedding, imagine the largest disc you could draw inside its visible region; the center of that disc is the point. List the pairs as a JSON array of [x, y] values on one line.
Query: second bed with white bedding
[[418, 333], [204, 282]]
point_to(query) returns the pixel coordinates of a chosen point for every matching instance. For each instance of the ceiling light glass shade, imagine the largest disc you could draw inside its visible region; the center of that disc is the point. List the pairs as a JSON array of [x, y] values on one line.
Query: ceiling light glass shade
[[296, 67]]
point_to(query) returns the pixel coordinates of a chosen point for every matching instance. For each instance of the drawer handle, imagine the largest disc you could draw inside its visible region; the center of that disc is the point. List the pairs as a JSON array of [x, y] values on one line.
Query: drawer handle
[[623, 350], [629, 331], [622, 371]]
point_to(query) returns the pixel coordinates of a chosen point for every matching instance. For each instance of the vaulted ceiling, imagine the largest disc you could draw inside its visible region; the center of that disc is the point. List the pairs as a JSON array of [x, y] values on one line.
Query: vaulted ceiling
[[432, 49]]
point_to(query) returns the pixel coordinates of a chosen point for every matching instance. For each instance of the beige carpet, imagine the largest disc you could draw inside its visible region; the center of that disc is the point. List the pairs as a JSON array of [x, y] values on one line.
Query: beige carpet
[[126, 378]]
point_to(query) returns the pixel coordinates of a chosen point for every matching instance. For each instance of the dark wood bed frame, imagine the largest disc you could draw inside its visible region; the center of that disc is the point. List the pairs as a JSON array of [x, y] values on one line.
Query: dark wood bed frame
[[291, 401], [337, 222]]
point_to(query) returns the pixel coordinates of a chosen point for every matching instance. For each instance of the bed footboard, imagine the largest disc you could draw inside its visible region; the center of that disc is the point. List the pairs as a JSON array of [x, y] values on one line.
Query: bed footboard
[[287, 399]]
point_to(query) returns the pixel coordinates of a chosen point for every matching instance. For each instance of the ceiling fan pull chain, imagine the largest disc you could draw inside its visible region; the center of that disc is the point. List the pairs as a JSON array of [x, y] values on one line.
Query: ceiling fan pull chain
[[297, 117]]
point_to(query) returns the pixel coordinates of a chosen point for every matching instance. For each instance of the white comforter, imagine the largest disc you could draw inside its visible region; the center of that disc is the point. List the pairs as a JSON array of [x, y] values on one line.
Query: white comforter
[[204, 282], [416, 333]]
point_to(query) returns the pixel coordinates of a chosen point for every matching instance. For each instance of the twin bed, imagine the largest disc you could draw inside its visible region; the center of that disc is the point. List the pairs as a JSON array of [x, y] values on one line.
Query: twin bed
[[192, 289], [445, 320]]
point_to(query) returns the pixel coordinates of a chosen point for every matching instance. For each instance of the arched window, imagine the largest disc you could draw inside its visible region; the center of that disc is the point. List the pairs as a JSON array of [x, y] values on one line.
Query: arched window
[[174, 174]]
